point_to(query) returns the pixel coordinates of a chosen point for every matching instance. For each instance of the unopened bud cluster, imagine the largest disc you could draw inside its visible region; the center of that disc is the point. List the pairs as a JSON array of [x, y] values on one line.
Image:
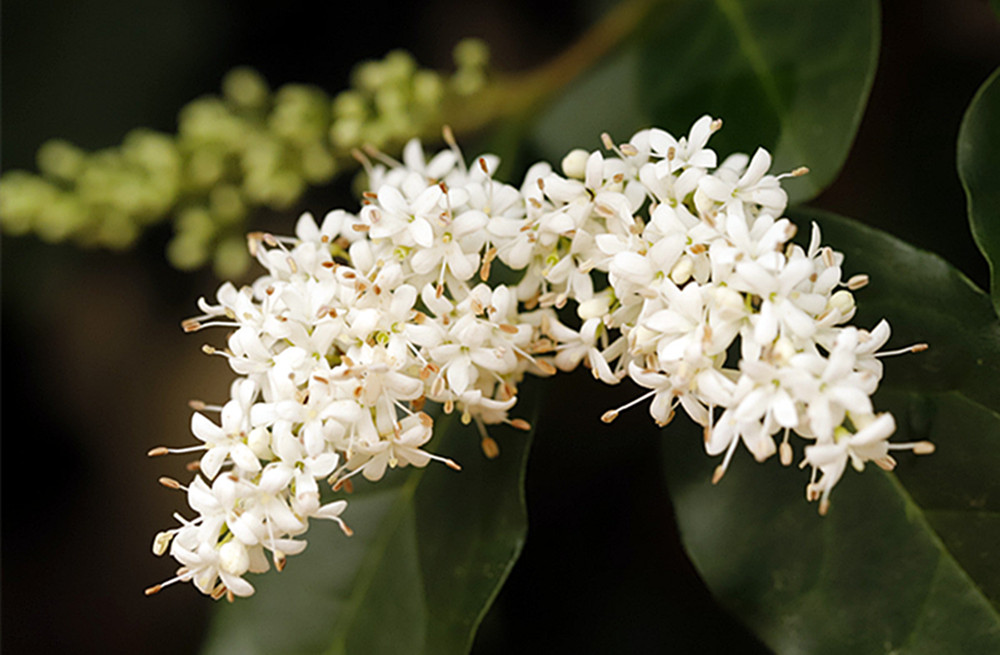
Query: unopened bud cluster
[[250, 148], [365, 318]]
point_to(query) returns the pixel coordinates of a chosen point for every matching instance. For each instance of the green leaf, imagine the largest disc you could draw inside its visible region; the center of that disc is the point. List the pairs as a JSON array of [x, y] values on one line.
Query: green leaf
[[430, 550], [787, 75], [978, 163], [903, 562]]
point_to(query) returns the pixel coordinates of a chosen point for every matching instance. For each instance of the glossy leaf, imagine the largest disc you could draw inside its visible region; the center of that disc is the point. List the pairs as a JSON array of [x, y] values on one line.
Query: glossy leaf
[[790, 76], [431, 548], [978, 163], [903, 562]]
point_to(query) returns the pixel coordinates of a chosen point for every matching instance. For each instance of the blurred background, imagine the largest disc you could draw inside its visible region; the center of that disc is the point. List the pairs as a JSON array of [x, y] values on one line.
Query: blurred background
[[95, 369]]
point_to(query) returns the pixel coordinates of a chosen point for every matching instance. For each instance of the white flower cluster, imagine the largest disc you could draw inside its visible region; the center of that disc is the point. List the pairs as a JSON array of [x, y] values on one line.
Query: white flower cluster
[[364, 318]]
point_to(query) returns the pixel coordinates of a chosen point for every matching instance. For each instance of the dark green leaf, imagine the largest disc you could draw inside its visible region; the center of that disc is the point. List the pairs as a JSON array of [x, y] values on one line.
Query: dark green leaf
[[978, 163], [788, 75], [903, 562], [431, 548]]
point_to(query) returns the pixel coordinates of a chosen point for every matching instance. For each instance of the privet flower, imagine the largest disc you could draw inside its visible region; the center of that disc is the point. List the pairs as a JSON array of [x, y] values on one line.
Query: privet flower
[[363, 319]]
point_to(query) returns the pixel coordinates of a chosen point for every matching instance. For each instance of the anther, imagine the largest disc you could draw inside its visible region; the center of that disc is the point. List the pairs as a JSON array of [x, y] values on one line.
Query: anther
[[158, 451], [490, 447], [609, 415], [482, 165], [857, 282], [716, 125], [169, 483], [520, 424], [720, 470], [785, 453], [155, 589], [606, 140], [628, 149], [508, 328]]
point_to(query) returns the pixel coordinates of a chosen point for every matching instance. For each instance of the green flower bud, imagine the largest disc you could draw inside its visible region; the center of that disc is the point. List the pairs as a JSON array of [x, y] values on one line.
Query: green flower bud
[[245, 88]]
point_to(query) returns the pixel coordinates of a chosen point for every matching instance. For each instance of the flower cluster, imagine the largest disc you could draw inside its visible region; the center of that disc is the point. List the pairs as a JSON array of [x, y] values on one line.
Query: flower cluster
[[670, 260]]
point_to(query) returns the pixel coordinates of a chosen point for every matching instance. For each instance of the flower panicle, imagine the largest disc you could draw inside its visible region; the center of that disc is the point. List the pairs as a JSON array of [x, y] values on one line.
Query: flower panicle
[[362, 319]]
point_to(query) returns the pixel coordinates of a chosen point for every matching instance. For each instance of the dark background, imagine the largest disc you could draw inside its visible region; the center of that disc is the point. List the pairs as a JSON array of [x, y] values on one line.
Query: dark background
[[95, 370]]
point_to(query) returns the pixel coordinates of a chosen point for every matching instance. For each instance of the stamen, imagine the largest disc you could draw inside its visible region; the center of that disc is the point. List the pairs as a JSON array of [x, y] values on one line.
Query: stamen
[[612, 414], [915, 348]]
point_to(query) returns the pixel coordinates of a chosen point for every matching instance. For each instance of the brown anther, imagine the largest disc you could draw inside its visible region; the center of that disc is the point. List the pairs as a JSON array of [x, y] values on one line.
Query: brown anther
[[279, 562], [482, 165], [449, 406], [377, 289], [269, 290], [606, 140], [706, 433], [541, 184], [827, 254], [292, 266], [799, 172], [348, 486], [490, 447], [230, 596], [698, 248], [449, 136], [534, 202], [360, 227], [546, 367], [525, 227], [439, 290], [520, 424], [923, 448], [190, 325], [717, 475], [218, 592], [169, 483], [369, 194], [349, 275], [417, 404], [346, 530], [158, 451], [155, 589], [609, 415], [671, 153], [628, 149], [824, 507], [425, 420], [508, 328], [192, 466], [857, 282], [208, 350], [484, 270], [328, 264]]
